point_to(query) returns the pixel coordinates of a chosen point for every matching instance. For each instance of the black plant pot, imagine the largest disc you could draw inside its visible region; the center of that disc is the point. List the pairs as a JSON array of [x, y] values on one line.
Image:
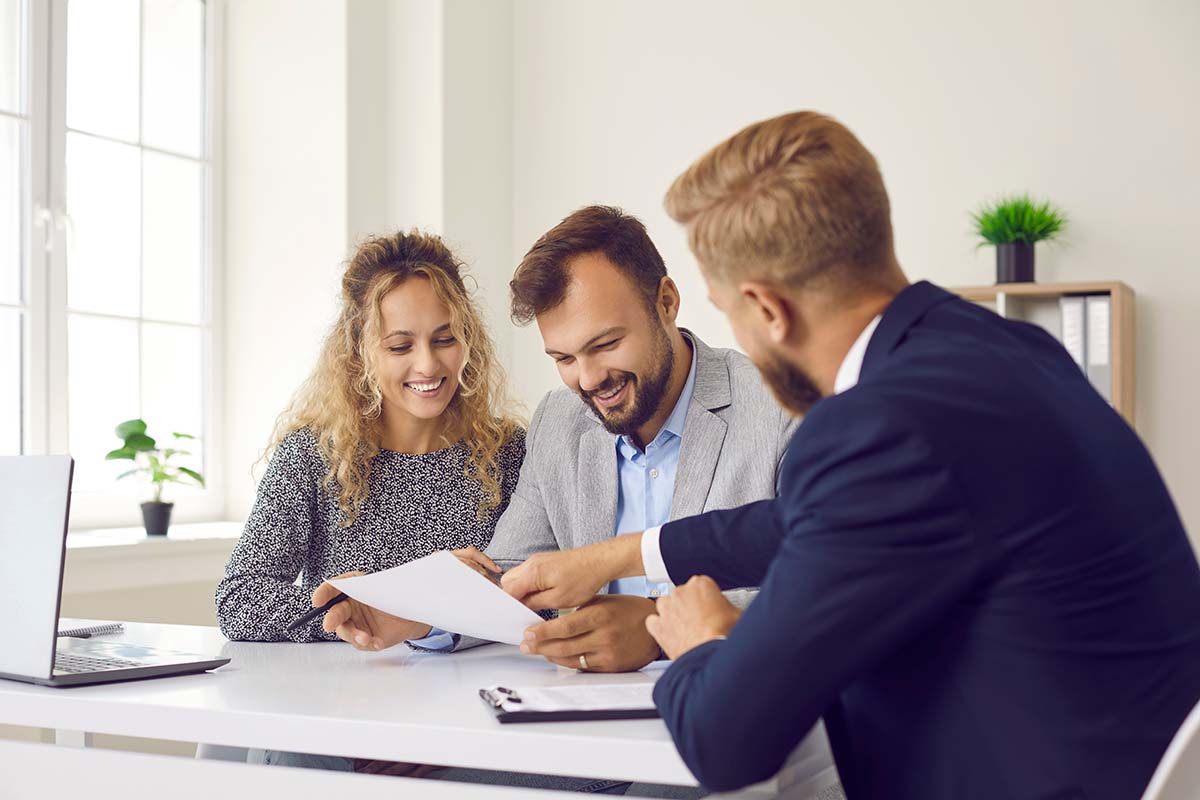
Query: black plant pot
[[1014, 262], [157, 517]]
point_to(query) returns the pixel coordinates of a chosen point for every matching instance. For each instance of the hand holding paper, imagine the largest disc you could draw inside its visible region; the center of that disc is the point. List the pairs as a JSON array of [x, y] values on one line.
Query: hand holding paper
[[358, 624], [442, 591], [570, 578]]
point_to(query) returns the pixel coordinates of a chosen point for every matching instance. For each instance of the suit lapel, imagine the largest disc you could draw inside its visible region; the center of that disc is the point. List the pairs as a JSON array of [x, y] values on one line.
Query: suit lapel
[[703, 432], [597, 482], [703, 435]]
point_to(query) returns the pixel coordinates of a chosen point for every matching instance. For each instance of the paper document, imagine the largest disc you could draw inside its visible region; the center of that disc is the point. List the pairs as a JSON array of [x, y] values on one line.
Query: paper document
[[594, 697], [441, 591]]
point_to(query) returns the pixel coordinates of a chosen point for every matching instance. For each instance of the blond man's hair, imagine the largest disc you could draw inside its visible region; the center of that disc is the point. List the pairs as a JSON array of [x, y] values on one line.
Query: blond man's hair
[[342, 399], [795, 199]]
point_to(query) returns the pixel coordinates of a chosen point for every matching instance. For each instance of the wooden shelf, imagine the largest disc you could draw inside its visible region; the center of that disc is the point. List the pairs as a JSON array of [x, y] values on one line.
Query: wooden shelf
[[981, 294], [1019, 300]]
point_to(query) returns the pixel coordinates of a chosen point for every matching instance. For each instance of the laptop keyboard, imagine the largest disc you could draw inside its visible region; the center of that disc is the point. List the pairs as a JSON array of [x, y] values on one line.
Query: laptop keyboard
[[75, 663]]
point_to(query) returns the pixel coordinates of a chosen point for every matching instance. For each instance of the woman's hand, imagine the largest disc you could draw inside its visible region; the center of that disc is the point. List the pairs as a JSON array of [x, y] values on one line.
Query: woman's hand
[[361, 625]]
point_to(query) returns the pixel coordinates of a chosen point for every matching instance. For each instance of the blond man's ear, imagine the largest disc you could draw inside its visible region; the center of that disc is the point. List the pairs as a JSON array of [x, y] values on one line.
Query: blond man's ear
[[772, 310]]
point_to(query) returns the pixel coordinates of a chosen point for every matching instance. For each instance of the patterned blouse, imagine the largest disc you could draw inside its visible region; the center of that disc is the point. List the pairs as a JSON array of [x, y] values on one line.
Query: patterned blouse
[[416, 505]]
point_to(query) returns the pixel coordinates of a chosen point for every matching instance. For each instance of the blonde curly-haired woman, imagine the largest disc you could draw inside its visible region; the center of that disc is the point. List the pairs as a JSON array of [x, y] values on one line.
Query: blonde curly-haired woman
[[398, 445]]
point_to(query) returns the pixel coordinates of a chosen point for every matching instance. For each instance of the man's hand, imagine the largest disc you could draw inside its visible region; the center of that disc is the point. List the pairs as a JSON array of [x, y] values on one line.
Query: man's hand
[[361, 625], [572, 577], [609, 632], [691, 615], [479, 562]]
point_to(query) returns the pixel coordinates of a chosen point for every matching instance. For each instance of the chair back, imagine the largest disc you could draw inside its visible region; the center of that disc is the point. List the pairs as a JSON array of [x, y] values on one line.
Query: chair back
[[1178, 774]]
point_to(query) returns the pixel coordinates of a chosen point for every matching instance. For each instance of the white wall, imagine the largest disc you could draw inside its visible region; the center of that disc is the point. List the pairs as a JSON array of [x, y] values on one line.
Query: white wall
[[285, 211], [333, 130], [345, 119], [1092, 105], [477, 129]]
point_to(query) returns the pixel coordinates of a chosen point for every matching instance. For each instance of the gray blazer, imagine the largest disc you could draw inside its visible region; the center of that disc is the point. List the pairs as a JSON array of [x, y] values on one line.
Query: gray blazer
[[734, 437]]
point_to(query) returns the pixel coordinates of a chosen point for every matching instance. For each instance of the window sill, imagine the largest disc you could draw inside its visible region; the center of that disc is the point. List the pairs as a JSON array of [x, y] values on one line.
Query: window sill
[[115, 559]]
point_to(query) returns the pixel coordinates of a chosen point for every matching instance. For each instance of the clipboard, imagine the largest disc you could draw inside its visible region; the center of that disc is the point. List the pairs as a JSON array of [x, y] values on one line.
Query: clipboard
[[571, 703]]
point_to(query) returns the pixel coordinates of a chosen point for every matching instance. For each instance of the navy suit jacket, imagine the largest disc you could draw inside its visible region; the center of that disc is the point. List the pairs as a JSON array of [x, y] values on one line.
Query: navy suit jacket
[[973, 571]]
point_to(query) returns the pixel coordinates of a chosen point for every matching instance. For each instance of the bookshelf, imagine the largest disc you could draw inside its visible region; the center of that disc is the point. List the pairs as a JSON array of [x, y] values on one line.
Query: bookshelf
[[1039, 303]]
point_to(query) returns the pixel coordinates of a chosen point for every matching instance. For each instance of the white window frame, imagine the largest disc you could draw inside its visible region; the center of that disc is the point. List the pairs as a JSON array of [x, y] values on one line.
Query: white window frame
[[45, 404], [33, 256]]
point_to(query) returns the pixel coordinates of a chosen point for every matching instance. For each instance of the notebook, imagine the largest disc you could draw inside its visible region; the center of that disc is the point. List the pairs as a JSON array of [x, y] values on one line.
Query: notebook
[[572, 703], [87, 631]]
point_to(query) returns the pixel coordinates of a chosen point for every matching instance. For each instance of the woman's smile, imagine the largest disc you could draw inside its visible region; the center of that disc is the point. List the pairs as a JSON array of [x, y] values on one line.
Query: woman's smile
[[426, 389]]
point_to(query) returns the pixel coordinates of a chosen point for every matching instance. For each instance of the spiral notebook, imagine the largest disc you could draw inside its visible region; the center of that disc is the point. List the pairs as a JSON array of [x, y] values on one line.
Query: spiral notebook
[[572, 703], [88, 631]]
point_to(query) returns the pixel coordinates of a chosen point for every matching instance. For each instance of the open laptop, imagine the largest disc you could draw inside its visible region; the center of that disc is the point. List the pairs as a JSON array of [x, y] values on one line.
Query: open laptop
[[35, 498]]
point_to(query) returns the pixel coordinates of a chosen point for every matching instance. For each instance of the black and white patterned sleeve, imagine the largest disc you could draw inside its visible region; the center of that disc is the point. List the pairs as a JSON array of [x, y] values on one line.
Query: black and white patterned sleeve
[[258, 597]]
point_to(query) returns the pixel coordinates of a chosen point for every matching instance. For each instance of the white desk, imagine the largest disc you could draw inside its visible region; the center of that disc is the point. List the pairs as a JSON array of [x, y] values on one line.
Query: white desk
[[38, 771], [331, 699]]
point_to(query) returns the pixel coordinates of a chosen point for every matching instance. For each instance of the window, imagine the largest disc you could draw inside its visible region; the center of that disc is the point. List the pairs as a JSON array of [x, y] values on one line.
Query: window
[[113, 97], [15, 169]]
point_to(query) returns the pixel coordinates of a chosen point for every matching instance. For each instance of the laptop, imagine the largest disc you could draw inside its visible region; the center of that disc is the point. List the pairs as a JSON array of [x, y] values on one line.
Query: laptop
[[35, 498]]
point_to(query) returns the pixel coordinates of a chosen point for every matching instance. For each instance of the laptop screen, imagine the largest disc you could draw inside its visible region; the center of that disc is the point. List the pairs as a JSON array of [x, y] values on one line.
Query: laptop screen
[[35, 495]]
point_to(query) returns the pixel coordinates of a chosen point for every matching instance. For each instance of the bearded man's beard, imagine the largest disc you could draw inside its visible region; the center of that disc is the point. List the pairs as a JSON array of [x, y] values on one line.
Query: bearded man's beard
[[647, 392], [792, 386]]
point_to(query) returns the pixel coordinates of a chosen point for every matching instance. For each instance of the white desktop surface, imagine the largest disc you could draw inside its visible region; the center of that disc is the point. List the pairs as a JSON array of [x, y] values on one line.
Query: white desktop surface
[[331, 699]]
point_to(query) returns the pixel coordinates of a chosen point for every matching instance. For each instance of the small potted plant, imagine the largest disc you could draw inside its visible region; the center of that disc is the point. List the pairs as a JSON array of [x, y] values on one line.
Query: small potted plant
[[155, 464], [1014, 225]]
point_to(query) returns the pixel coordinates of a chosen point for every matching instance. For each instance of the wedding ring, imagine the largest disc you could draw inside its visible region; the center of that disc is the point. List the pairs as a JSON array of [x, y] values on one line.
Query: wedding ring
[[583, 663]]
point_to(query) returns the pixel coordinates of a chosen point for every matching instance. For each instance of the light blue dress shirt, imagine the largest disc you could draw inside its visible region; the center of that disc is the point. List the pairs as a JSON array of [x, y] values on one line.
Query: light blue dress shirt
[[645, 484]]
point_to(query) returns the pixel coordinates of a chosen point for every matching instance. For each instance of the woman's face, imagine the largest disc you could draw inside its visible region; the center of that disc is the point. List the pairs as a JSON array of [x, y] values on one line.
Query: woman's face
[[419, 358]]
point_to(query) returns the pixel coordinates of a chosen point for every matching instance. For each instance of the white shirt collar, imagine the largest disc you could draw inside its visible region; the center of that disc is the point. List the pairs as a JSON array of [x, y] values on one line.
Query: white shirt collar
[[847, 374]]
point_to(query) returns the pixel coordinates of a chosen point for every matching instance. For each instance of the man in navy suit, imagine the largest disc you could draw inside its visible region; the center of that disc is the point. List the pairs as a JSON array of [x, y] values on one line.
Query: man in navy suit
[[973, 571]]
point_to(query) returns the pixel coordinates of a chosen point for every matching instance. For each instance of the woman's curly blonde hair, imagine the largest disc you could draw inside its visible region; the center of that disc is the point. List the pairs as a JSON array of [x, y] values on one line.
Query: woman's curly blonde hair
[[341, 400]]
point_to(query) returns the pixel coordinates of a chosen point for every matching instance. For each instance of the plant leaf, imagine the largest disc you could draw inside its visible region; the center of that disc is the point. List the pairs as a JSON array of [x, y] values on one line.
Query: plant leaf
[[183, 436], [127, 473], [130, 427], [122, 453], [1018, 219], [140, 442], [191, 473]]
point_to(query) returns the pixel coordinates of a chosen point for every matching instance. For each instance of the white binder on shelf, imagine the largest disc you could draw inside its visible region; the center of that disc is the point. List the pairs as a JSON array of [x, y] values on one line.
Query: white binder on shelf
[[1074, 328], [1098, 349]]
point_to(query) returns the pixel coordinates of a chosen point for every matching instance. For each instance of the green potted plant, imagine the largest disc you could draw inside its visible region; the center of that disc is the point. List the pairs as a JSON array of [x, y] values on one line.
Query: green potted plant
[[154, 463], [1014, 225]]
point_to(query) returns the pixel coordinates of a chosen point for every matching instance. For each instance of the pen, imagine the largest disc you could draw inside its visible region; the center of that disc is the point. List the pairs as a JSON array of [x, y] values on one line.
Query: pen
[[316, 612]]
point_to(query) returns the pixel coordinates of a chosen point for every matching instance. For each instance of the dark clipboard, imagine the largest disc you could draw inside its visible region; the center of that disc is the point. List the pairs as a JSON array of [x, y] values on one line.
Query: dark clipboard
[[496, 700]]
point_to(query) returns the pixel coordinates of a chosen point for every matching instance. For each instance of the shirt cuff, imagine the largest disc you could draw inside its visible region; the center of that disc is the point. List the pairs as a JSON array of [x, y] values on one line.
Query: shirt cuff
[[652, 560], [436, 640]]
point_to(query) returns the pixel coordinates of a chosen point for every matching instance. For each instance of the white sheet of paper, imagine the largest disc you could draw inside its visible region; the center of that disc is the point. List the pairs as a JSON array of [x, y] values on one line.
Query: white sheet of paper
[[441, 591], [589, 697]]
